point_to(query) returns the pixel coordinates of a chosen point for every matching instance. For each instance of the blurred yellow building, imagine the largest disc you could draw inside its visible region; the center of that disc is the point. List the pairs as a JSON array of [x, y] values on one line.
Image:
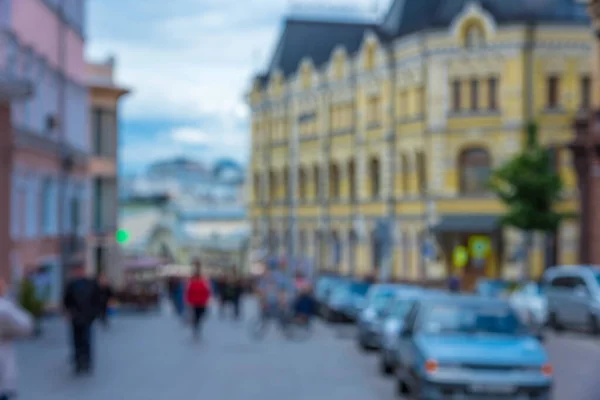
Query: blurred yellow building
[[400, 123]]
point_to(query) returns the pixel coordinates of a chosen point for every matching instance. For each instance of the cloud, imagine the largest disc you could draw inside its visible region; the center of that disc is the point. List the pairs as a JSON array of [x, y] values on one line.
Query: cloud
[[189, 62]]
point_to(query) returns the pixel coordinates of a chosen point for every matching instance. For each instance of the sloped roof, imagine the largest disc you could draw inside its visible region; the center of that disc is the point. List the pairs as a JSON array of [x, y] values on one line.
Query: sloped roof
[[408, 16], [315, 39]]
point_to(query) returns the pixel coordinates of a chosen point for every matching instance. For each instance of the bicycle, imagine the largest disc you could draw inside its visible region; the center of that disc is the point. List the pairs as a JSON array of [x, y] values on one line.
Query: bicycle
[[292, 327]]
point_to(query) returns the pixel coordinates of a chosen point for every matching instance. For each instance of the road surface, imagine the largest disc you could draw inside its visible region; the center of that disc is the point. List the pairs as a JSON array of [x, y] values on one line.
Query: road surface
[[152, 357]]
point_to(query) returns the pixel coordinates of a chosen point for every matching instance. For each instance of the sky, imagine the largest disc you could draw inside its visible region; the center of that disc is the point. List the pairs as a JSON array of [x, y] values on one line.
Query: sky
[[189, 64]]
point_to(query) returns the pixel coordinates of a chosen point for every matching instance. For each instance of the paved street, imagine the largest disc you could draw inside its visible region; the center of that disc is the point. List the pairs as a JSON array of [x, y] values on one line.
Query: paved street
[[152, 357]]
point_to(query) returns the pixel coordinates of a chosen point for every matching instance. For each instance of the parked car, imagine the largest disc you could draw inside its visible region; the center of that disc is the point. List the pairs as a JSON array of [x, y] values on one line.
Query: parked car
[[324, 288], [370, 321], [531, 304], [391, 327], [470, 347], [573, 294], [346, 301], [491, 287]]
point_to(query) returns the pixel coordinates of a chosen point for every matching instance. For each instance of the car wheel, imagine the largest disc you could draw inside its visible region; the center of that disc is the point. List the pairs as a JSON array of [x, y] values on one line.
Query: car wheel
[[553, 322], [593, 325], [385, 368]]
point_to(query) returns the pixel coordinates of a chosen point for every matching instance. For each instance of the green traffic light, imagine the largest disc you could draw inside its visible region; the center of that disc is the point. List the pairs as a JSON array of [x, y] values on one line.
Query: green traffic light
[[122, 236]]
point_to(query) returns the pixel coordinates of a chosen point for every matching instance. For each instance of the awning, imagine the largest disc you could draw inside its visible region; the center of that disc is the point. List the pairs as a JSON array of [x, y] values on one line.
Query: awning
[[467, 224]]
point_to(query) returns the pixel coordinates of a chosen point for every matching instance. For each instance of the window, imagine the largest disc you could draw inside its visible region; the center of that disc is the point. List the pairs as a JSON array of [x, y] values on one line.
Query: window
[[104, 123], [334, 181], [316, 181], [475, 37], [405, 170], [474, 94], [456, 95], [373, 110], [553, 92], [302, 183], [352, 179], [374, 177], [586, 92], [272, 186], [493, 93], [475, 170], [47, 206], [286, 183], [422, 172], [256, 187]]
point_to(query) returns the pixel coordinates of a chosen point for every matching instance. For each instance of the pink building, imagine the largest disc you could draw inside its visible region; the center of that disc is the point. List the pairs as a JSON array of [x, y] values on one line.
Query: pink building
[[45, 137]]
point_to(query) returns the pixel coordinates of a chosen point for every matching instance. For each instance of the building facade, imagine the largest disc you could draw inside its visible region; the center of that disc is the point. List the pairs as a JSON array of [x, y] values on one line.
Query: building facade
[[103, 251], [372, 151], [42, 43]]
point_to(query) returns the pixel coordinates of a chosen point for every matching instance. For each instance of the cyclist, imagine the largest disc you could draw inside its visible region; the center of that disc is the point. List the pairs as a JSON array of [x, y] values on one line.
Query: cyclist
[[272, 292]]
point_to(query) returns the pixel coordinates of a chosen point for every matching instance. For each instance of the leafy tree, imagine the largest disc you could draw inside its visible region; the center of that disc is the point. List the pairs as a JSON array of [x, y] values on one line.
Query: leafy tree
[[29, 299], [530, 187]]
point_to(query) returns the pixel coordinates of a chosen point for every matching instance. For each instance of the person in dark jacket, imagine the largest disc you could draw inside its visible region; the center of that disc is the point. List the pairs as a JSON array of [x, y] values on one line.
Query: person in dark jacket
[[233, 294], [82, 303], [305, 305]]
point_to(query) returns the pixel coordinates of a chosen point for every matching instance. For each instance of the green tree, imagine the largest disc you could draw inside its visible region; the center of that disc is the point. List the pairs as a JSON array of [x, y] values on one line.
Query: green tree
[[29, 299], [530, 187]]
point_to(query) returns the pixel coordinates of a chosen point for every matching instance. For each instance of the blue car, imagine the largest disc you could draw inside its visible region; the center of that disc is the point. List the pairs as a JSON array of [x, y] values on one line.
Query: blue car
[[470, 347], [346, 301]]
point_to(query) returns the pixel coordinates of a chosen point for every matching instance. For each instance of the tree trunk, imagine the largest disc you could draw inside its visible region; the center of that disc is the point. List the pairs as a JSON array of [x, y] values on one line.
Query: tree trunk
[[527, 265]]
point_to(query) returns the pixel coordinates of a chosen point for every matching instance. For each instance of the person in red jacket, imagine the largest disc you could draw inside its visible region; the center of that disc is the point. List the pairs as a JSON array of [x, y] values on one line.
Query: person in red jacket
[[197, 296]]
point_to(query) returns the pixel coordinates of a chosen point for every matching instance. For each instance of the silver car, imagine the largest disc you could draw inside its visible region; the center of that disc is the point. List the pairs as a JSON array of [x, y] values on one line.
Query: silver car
[[374, 311], [392, 326], [573, 294]]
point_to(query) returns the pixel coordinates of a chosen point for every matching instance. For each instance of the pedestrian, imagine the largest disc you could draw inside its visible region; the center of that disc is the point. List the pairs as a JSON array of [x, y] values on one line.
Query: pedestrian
[[223, 285], [106, 297], [234, 294], [305, 305], [198, 296], [15, 323], [82, 303]]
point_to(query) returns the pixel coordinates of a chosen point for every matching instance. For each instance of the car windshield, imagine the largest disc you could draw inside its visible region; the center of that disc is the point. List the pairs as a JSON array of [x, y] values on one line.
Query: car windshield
[[382, 298], [359, 289], [532, 289], [598, 278], [470, 319], [401, 308], [491, 288]]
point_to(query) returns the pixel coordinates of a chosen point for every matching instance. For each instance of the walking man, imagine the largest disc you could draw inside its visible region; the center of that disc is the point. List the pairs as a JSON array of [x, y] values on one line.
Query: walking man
[[15, 323], [197, 296], [82, 303]]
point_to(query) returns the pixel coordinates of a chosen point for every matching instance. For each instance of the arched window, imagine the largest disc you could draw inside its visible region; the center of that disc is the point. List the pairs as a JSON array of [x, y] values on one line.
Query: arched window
[[474, 36], [302, 183], [334, 181], [374, 177], [475, 170], [352, 179]]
